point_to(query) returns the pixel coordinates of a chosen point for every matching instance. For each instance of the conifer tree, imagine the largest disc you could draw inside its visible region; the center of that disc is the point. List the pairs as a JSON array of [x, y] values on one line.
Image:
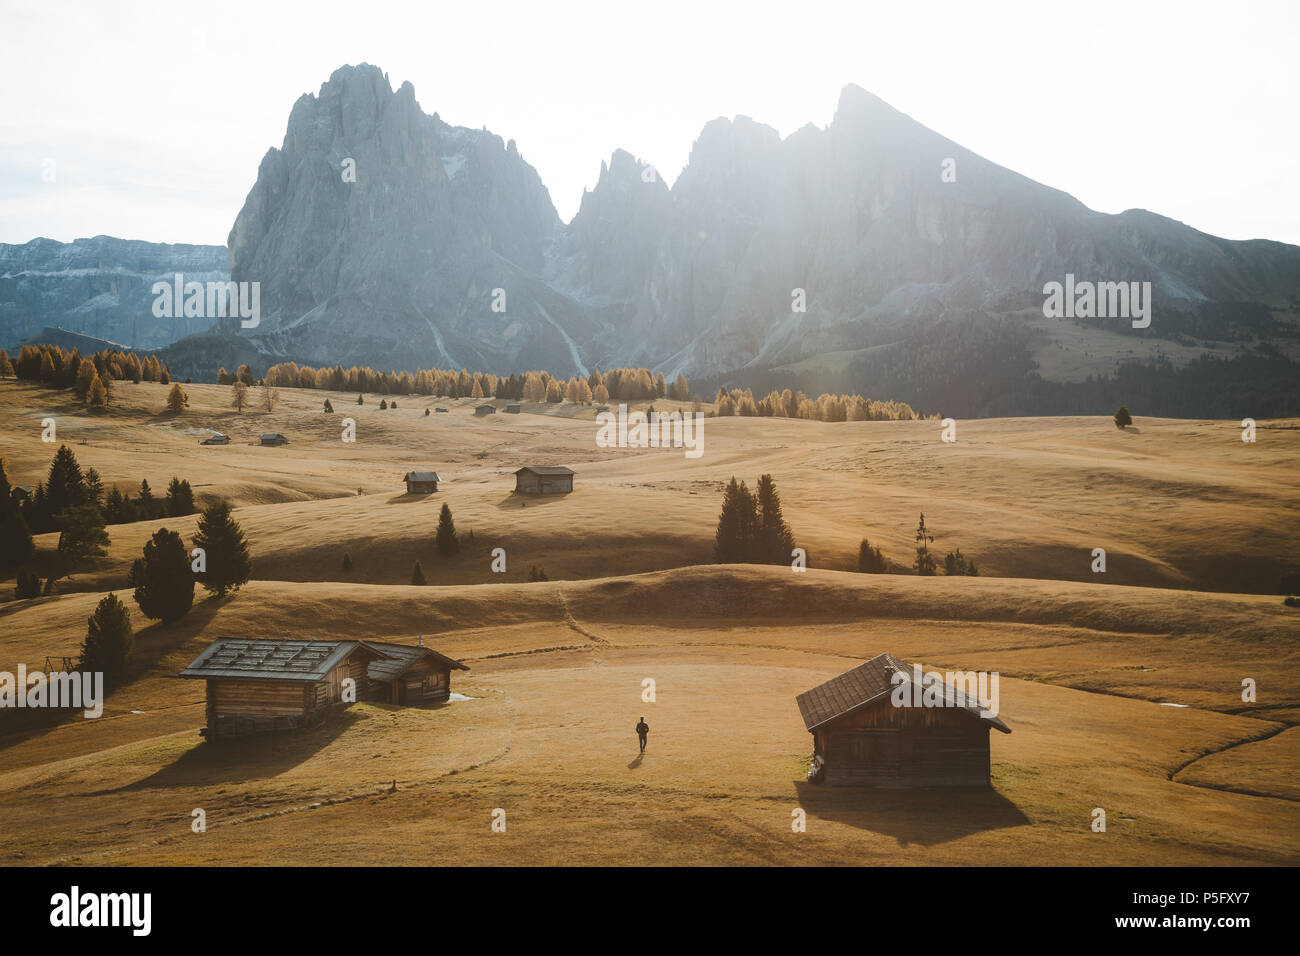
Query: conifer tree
[[180, 498], [775, 541], [737, 525], [446, 540], [870, 560], [925, 563], [417, 575], [163, 581], [107, 647], [228, 564], [16, 544]]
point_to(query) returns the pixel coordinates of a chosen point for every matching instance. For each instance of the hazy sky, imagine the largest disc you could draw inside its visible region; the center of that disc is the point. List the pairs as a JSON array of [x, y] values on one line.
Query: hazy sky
[[155, 115]]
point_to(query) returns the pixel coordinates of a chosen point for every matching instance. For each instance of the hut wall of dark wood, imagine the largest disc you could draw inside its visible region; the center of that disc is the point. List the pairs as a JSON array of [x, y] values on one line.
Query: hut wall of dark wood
[[425, 682], [238, 706], [885, 746], [531, 483], [414, 487]]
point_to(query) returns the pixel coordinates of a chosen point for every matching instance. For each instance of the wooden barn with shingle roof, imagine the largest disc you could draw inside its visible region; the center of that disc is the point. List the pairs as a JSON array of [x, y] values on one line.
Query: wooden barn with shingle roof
[[861, 737], [260, 685], [410, 673]]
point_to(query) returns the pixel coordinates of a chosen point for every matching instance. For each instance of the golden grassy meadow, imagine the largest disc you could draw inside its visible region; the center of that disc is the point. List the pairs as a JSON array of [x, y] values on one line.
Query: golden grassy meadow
[[1197, 526]]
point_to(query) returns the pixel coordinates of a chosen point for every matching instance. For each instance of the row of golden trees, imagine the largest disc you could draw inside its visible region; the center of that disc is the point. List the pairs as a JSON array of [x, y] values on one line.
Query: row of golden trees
[[620, 384], [824, 408], [91, 377]]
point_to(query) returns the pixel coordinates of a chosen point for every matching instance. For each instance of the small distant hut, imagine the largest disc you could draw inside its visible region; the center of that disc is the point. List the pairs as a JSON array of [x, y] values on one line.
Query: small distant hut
[[513, 408], [860, 738], [216, 439], [544, 480], [21, 492], [421, 482], [485, 410], [263, 686], [440, 409], [410, 674], [274, 438]]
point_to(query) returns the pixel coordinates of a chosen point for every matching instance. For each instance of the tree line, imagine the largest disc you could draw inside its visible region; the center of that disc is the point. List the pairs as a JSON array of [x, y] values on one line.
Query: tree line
[[619, 384], [92, 376], [824, 408]]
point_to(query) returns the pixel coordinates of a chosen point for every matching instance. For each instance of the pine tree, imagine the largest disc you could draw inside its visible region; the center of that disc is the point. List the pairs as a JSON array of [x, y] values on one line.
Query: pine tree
[[870, 560], [82, 533], [1122, 417], [446, 540], [417, 575], [65, 486], [383, 404], [147, 504], [925, 563], [16, 544], [426, 412], [361, 400], [536, 573], [180, 498], [26, 585], [733, 542], [177, 400], [775, 540], [228, 564], [347, 561], [108, 641], [163, 581], [97, 397], [328, 407]]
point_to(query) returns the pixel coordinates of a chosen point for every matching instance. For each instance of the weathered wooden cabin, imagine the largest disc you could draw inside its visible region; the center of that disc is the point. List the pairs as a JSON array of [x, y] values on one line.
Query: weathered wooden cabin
[[485, 410], [260, 686], [544, 480], [410, 674], [860, 738], [421, 482], [513, 408], [274, 438]]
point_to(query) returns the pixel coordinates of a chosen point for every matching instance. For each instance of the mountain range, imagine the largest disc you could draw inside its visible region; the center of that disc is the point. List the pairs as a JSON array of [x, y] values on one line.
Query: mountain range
[[872, 255]]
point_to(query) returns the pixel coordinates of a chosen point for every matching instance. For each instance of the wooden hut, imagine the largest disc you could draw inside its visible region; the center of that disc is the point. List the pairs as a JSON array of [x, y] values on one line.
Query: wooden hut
[[860, 738], [274, 438], [485, 410], [421, 482], [513, 408], [544, 480], [259, 686], [216, 439], [410, 674]]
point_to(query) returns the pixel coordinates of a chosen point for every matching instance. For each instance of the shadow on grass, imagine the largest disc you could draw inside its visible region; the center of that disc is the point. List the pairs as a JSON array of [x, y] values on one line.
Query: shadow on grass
[[922, 817], [411, 497], [516, 500], [149, 646], [242, 759]]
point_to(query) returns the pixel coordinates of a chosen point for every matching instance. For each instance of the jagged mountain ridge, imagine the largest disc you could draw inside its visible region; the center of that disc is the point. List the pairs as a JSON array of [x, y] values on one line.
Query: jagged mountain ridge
[[100, 287], [916, 287]]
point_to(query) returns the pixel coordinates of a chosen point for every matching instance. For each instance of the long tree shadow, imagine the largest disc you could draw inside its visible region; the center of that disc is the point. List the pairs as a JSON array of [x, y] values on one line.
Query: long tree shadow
[[242, 759], [150, 645], [922, 817]]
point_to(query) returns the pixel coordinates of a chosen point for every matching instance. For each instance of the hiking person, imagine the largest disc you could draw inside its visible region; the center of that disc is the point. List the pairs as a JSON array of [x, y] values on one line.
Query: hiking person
[[642, 729]]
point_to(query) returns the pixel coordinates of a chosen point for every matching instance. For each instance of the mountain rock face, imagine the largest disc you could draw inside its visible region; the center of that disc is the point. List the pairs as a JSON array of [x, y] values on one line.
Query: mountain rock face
[[100, 287], [871, 255], [383, 236]]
